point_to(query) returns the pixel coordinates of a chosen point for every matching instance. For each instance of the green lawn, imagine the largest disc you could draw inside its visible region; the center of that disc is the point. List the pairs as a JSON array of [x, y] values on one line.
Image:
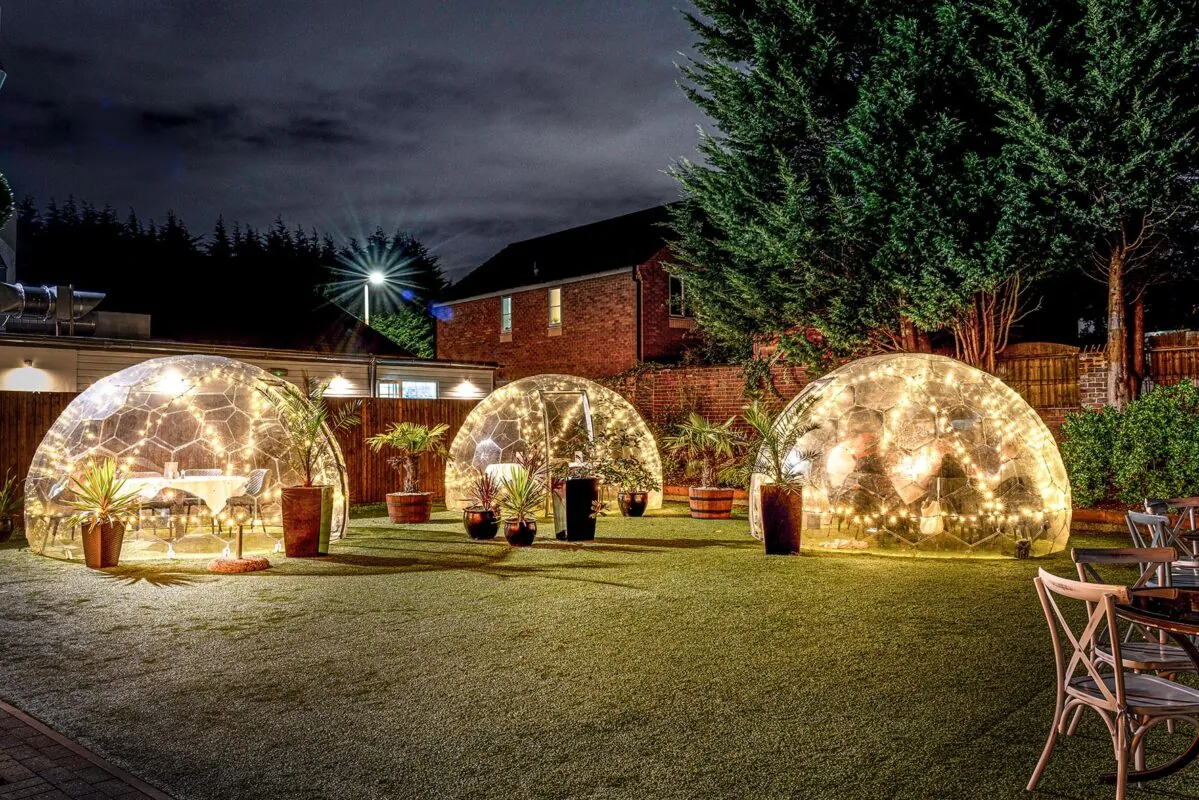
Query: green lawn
[[670, 659]]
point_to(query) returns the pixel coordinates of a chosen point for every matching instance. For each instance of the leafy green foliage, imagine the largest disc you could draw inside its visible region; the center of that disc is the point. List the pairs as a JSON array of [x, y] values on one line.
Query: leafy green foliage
[[608, 453], [309, 422], [1150, 448], [410, 440], [99, 495], [521, 495], [10, 495], [709, 445], [768, 451], [6, 201], [1087, 453]]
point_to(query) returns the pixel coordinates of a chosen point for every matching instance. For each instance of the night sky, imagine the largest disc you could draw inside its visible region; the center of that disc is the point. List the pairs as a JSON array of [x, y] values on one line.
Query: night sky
[[472, 123]]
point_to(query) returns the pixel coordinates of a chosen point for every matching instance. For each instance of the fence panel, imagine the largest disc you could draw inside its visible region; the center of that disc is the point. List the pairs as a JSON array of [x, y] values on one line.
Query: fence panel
[[1173, 357], [26, 416], [1044, 374]]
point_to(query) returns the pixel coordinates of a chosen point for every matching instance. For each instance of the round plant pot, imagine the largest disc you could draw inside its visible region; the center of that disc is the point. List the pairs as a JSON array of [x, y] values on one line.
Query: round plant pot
[[481, 523], [520, 532], [302, 515], [708, 503], [782, 519], [409, 507], [632, 504], [7, 526], [581, 496], [102, 544]]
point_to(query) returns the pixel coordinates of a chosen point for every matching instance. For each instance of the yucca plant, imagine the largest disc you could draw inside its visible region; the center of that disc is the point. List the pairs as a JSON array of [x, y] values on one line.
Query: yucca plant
[[410, 440], [306, 416], [521, 495], [710, 445], [99, 495], [484, 492], [10, 495]]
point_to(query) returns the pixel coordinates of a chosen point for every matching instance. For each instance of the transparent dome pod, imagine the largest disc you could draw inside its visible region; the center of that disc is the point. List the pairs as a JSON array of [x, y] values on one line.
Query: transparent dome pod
[[922, 454], [537, 415], [199, 439]]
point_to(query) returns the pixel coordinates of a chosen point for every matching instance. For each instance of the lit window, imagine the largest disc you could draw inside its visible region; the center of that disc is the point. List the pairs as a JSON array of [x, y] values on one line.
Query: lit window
[[678, 298], [419, 390], [555, 296], [506, 314], [389, 389]]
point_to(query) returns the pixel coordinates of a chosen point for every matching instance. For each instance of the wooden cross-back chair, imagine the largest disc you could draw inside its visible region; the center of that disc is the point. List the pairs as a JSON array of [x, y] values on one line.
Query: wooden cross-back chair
[[1130, 704], [1153, 530]]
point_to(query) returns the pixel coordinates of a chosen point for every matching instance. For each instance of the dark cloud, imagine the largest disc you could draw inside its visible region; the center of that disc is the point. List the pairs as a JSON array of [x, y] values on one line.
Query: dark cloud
[[471, 122]]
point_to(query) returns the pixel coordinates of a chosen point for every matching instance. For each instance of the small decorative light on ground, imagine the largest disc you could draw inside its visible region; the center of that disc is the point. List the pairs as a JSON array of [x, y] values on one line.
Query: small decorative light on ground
[[193, 412], [537, 414], [924, 454]]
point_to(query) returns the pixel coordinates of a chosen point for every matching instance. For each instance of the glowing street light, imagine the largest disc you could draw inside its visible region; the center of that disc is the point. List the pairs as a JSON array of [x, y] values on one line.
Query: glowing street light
[[375, 278]]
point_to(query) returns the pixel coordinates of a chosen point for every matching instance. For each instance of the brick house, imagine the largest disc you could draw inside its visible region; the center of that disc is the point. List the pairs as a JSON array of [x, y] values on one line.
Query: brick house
[[591, 301]]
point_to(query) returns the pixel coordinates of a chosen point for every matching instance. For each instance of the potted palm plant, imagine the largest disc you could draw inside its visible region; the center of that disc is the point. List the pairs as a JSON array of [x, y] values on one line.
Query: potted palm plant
[[10, 505], [708, 446], [783, 473], [410, 440], [307, 507], [101, 505], [481, 517], [521, 495]]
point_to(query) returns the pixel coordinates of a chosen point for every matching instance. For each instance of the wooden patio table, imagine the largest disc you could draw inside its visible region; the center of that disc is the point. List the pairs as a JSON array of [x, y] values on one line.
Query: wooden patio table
[[1176, 612]]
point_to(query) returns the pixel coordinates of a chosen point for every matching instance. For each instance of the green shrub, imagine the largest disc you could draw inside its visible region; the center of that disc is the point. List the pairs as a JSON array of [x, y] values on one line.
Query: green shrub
[[1150, 449], [1087, 453], [1155, 450]]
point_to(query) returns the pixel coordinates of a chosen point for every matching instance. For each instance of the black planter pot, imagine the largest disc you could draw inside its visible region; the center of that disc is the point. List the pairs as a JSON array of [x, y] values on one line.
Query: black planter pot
[[782, 519], [481, 523], [7, 526], [581, 496], [520, 532], [632, 504]]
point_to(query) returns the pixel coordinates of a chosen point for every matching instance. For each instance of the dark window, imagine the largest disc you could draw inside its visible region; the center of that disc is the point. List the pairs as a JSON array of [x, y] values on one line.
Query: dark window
[[679, 307]]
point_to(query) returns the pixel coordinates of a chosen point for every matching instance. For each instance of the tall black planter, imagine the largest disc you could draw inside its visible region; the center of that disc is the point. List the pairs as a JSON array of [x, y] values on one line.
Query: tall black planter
[[782, 519], [581, 497]]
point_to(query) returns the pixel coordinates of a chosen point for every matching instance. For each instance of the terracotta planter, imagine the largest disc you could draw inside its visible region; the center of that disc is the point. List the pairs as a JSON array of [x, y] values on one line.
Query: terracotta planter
[[632, 504], [708, 503], [520, 532], [102, 544], [782, 519], [480, 523], [303, 513], [409, 508], [581, 496]]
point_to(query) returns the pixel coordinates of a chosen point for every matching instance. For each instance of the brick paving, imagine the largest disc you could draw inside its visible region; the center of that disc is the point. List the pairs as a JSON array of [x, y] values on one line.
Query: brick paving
[[39, 764]]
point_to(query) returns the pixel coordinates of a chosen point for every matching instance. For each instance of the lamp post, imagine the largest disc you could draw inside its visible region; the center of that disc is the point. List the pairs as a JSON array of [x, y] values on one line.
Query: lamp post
[[377, 278]]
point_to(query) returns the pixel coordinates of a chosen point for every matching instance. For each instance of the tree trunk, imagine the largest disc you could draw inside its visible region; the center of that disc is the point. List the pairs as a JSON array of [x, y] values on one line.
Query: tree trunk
[[411, 484], [912, 339], [1117, 334], [1138, 348]]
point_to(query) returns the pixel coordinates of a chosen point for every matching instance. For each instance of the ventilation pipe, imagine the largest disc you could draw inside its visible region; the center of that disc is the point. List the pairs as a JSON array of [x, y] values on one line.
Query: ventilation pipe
[[54, 310]]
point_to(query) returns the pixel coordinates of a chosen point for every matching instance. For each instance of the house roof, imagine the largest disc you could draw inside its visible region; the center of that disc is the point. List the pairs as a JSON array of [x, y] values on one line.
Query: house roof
[[603, 246]]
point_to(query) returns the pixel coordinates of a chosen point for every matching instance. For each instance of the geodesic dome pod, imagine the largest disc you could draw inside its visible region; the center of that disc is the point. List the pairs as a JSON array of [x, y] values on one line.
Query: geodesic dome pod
[[165, 421], [539, 413], [921, 453]]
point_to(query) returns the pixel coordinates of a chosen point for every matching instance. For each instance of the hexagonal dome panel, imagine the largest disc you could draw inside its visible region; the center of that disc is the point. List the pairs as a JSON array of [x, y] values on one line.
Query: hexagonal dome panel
[[931, 457]]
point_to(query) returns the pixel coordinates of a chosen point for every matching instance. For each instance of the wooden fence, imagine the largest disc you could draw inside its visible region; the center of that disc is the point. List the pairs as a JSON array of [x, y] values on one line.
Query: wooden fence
[[26, 416], [1173, 357], [1044, 374]]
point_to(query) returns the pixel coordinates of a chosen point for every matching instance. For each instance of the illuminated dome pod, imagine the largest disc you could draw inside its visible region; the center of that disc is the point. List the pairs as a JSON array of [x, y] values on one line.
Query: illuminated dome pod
[[201, 441], [537, 414], [922, 454]]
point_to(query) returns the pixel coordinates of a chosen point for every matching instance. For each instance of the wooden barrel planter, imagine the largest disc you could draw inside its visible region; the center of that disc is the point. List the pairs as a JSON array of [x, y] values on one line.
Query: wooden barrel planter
[[409, 508], [709, 503]]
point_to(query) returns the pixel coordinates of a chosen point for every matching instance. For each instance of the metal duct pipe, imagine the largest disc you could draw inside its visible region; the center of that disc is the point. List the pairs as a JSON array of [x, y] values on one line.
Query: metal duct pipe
[[49, 327], [42, 302]]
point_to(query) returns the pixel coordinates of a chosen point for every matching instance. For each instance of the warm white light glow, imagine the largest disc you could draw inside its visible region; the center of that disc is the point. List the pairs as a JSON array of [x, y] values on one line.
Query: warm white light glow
[[466, 389], [339, 385], [923, 454]]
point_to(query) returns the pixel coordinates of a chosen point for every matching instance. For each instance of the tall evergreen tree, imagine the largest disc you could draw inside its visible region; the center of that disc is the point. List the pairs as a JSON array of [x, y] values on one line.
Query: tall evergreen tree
[[7, 205], [1100, 105]]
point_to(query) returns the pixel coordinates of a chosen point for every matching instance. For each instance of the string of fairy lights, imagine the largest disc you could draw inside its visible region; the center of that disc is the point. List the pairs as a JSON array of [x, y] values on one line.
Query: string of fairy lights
[[190, 412]]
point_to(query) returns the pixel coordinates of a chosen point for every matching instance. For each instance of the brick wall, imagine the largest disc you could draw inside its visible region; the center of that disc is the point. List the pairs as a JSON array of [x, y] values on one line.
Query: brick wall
[[1092, 377], [597, 338], [663, 338]]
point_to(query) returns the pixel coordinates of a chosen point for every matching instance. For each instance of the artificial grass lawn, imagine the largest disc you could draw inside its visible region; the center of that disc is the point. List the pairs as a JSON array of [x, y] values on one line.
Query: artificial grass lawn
[[669, 659]]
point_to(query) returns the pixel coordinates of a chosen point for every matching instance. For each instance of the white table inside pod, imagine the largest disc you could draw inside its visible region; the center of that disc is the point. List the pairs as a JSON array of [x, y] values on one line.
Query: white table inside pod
[[214, 490]]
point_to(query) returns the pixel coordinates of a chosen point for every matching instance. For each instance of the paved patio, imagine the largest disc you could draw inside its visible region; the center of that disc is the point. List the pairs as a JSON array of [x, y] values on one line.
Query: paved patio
[[40, 764]]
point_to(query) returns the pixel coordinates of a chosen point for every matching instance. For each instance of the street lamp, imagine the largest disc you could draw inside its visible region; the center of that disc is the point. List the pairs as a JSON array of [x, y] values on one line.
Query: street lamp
[[377, 278]]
